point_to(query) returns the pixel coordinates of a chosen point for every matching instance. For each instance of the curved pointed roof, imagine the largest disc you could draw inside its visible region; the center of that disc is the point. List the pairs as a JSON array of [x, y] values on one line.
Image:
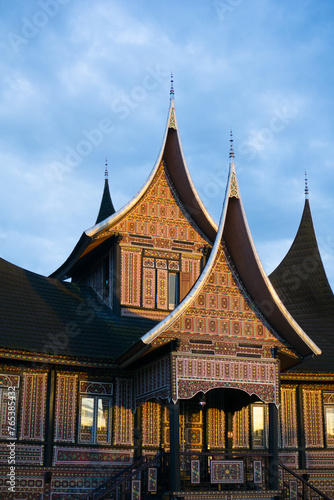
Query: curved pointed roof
[[106, 208], [234, 231], [301, 282], [171, 154]]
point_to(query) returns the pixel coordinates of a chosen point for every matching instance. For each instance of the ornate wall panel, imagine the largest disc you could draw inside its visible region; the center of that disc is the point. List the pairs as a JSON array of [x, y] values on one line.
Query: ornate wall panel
[[194, 374], [9, 385], [195, 471], [288, 418], [123, 412], [152, 479], [135, 489], [257, 472], [33, 406], [192, 266], [149, 288], [162, 289], [89, 456], [227, 471], [289, 459], [293, 489], [313, 418], [66, 403], [165, 423], [215, 422], [151, 419], [191, 423], [131, 277], [241, 428], [29, 485], [24, 454], [320, 459], [223, 308], [152, 381]]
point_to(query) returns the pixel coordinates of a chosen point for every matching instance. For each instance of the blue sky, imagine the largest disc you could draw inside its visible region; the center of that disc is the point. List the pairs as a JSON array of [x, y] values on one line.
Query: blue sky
[[78, 72]]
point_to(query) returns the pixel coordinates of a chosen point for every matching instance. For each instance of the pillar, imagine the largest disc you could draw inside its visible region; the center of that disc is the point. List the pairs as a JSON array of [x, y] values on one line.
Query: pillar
[[273, 447], [174, 437]]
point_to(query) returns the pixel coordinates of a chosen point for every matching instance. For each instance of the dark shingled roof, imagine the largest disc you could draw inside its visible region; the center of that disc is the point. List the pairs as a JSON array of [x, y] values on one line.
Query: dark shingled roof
[[44, 315], [301, 282], [106, 207]]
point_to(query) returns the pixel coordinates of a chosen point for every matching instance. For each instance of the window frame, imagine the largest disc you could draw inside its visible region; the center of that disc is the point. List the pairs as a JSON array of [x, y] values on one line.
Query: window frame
[[95, 421], [265, 437]]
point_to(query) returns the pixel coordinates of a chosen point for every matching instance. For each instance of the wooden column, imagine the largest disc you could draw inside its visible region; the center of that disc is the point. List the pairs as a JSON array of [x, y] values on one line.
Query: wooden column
[[273, 447], [174, 437], [49, 418], [301, 429]]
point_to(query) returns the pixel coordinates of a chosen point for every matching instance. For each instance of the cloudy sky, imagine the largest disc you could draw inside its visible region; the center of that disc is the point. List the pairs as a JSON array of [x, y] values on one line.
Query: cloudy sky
[[82, 80]]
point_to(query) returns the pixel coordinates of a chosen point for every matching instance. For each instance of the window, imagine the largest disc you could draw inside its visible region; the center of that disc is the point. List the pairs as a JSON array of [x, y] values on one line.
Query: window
[[329, 425], [95, 417], [328, 398], [173, 290], [259, 426]]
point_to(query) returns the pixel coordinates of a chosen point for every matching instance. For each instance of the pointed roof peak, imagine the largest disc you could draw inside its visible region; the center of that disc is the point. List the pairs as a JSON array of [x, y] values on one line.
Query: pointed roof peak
[[231, 145], [106, 169], [306, 187], [106, 207], [171, 92], [232, 183]]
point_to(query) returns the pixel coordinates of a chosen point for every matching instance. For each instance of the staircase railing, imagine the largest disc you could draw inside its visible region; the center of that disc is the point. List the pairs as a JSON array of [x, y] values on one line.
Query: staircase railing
[[292, 484], [121, 477], [303, 482]]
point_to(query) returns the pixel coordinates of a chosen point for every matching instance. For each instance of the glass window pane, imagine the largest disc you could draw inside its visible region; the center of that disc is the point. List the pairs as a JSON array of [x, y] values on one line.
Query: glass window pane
[[173, 290], [329, 421], [258, 426], [103, 413], [86, 420]]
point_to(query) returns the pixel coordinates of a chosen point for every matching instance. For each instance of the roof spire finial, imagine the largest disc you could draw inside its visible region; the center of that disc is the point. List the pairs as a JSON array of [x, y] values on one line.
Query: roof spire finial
[[106, 169], [171, 93], [231, 145], [306, 186]]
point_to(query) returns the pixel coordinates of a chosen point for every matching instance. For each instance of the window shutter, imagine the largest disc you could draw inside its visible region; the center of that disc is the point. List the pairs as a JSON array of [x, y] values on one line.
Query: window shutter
[[185, 284]]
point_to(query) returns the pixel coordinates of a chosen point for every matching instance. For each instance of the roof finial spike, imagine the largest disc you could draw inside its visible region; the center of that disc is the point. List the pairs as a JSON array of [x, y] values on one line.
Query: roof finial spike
[[171, 93], [231, 145], [306, 187], [106, 169]]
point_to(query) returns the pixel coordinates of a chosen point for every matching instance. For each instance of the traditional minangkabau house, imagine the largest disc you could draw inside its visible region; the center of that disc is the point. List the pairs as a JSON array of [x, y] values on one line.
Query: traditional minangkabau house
[[170, 364]]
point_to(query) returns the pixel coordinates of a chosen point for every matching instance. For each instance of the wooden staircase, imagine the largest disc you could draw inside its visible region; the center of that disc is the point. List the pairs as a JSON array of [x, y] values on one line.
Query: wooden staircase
[[132, 482]]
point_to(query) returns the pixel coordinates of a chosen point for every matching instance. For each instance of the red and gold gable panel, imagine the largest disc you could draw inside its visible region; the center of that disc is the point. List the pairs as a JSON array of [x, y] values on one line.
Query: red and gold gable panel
[[223, 309], [158, 238], [159, 219]]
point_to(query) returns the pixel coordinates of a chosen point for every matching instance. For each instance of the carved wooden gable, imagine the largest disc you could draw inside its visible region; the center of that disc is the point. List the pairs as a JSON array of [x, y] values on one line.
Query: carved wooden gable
[[159, 220], [223, 309], [158, 237]]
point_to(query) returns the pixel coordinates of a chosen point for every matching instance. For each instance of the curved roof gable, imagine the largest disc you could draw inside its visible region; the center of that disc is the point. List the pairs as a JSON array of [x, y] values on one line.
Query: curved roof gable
[[301, 282], [234, 231], [172, 157]]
